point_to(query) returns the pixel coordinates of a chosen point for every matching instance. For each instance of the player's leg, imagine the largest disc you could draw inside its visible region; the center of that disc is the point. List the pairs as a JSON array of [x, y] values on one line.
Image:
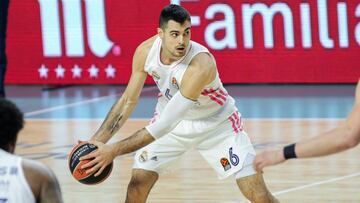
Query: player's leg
[[252, 184], [150, 161], [229, 151], [140, 185], [254, 189]]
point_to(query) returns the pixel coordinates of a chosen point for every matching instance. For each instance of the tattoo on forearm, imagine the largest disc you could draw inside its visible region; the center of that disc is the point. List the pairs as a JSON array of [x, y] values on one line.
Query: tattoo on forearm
[[115, 125]]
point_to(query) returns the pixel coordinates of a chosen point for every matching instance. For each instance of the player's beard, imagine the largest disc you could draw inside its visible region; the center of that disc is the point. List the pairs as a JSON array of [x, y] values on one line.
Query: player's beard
[[179, 51], [174, 53]]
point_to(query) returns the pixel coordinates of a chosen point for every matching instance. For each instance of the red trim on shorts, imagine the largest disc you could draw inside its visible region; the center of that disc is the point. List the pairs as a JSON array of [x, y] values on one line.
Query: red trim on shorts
[[233, 124], [236, 122], [240, 124]]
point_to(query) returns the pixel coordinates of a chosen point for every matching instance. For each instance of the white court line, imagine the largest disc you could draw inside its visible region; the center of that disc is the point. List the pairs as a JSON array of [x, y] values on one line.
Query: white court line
[[302, 187], [316, 184], [41, 111]]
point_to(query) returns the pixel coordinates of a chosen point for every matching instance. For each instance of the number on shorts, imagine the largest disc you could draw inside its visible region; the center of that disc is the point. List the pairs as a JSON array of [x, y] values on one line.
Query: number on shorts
[[234, 159]]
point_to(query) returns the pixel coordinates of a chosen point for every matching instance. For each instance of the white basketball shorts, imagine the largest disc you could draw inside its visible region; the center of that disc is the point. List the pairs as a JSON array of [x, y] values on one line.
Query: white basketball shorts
[[224, 145]]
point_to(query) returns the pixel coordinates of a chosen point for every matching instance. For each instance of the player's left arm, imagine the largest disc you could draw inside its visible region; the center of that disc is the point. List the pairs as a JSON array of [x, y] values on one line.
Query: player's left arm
[[201, 71]]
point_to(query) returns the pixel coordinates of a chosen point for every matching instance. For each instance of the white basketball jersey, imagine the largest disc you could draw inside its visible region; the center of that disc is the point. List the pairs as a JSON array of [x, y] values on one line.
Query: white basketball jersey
[[214, 98], [13, 185]]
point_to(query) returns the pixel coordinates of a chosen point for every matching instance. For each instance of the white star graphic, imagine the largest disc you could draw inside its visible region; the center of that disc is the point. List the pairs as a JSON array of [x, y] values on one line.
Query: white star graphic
[[93, 70], [110, 71], [76, 71], [60, 71], [43, 71]]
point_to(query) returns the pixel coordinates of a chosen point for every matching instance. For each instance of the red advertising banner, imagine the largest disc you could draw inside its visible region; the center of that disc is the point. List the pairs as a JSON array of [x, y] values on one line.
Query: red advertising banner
[[254, 41]]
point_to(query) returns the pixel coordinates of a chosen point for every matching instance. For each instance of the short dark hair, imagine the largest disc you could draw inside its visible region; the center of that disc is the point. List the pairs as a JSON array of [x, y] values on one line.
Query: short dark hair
[[11, 122], [173, 12]]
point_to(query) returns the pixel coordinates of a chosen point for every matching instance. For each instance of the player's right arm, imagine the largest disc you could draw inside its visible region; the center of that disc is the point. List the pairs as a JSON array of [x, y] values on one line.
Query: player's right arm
[[123, 108]]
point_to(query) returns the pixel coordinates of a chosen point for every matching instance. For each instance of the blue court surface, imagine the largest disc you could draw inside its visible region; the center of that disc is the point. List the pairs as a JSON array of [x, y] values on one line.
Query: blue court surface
[[253, 101]]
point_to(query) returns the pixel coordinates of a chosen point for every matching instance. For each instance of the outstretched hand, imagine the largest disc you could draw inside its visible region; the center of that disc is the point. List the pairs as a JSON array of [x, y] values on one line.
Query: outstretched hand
[[100, 158], [268, 158]]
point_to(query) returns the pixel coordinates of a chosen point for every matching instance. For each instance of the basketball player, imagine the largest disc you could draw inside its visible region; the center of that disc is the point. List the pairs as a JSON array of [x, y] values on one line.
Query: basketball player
[[21, 180], [343, 137], [193, 110]]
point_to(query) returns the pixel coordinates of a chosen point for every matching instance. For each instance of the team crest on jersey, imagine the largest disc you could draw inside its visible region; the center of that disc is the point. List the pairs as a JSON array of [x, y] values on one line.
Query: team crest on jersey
[[174, 83], [225, 164], [155, 75], [143, 157]]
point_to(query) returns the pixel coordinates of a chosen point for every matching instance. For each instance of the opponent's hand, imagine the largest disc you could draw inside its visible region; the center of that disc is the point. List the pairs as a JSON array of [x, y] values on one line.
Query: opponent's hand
[[268, 158], [101, 157]]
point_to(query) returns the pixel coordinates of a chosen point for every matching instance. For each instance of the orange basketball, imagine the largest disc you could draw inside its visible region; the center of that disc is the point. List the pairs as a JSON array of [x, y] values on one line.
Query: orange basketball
[[84, 148]]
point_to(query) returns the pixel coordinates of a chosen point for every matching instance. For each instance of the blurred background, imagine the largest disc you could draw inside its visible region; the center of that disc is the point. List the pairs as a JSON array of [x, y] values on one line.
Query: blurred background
[[66, 42]]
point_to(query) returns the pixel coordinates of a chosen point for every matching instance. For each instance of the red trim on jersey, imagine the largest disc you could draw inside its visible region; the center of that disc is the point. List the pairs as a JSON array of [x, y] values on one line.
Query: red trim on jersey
[[217, 95], [223, 93], [221, 103], [209, 93]]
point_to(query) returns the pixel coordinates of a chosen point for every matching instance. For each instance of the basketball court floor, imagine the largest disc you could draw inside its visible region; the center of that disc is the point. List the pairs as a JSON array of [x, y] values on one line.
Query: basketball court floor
[[274, 115]]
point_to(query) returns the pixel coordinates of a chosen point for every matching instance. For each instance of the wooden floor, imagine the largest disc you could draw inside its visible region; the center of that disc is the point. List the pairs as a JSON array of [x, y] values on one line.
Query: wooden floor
[[329, 179]]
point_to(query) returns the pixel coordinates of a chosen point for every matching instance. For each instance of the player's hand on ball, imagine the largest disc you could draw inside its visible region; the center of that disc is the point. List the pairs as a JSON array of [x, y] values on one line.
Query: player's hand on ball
[[100, 158]]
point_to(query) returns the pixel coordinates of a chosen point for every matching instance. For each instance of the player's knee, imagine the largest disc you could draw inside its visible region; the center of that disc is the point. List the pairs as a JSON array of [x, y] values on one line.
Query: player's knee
[[136, 191], [136, 184], [142, 182]]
